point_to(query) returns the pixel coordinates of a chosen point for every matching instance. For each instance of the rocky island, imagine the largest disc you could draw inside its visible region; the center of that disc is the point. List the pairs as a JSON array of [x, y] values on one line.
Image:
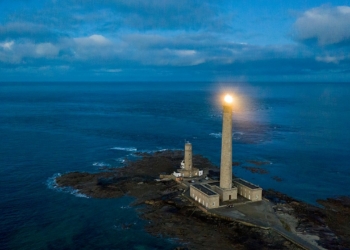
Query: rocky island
[[166, 205]]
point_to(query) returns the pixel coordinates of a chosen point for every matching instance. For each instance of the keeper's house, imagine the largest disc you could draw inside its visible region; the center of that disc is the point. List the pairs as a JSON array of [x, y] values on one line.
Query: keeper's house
[[248, 190], [205, 196]]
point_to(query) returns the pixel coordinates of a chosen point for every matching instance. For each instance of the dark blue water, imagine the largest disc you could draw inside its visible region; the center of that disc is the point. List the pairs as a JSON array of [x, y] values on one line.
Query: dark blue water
[[47, 129]]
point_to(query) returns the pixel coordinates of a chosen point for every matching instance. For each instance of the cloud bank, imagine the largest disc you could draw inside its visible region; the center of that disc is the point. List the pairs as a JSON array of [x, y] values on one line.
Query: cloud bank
[[168, 40]]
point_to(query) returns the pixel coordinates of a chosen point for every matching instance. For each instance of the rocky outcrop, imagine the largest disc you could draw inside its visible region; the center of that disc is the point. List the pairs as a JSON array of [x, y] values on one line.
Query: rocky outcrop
[[331, 223], [169, 214]]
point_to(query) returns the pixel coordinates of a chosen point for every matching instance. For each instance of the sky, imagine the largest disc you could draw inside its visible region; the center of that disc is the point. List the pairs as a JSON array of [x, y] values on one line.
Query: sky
[[175, 40]]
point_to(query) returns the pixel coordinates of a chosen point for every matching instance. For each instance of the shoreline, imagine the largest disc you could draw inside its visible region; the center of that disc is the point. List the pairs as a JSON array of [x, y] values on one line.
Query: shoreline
[[172, 215]]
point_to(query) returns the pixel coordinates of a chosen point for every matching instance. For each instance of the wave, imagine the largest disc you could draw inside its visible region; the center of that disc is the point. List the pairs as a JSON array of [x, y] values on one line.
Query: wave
[[52, 184], [216, 135], [101, 164], [131, 149], [159, 150], [235, 135], [120, 160]]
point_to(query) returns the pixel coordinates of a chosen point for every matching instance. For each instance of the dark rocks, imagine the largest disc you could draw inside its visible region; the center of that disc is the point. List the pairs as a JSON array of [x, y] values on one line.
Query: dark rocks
[[276, 178], [336, 215], [171, 215], [259, 163], [256, 170], [331, 223]]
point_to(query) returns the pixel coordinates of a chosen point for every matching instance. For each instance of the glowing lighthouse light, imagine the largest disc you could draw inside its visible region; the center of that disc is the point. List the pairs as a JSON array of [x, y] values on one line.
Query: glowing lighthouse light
[[228, 99]]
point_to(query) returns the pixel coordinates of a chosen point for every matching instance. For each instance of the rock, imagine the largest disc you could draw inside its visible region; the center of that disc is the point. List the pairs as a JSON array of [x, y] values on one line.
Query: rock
[[294, 203], [150, 202], [256, 170]]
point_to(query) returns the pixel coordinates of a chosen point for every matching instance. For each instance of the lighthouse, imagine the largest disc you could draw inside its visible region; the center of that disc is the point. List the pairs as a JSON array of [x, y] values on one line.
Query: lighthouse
[[215, 193], [226, 146]]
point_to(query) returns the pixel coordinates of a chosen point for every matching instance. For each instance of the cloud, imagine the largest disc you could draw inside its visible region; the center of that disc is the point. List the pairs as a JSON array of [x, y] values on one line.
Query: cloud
[[155, 14], [173, 38], [327, 25], [26, 52], [93, 40], [330, 59], [92, 47], [109, 70], [27, 30], [7, 45], [46, 50]]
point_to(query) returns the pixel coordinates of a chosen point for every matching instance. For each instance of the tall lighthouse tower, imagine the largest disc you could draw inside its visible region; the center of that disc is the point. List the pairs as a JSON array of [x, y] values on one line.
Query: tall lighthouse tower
[[226, 146]]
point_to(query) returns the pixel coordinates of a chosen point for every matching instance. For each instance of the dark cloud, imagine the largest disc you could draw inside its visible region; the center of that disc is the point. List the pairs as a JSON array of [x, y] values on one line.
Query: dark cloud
[[170, 14], [27, 30]]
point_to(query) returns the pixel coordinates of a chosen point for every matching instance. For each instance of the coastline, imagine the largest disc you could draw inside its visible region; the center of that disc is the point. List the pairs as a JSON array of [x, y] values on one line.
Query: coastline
[[171, 214]]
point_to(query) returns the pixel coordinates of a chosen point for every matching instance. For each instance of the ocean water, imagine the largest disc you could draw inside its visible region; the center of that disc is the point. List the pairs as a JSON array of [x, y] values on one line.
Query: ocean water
[[47, 129]]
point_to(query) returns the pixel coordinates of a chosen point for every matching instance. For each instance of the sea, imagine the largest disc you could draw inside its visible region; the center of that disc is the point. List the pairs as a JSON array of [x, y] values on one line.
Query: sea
[[300, 131]]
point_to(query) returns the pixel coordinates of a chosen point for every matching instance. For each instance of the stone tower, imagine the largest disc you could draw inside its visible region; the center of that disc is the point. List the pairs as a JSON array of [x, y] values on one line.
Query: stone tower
[[187, 169], [188, 156], [226, 146]]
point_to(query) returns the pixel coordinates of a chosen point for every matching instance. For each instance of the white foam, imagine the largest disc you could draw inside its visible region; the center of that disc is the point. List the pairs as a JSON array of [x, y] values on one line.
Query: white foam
[[238, 133], [52, 184], [131, 149], [101, 164], [77, 194], [235, 135], [216, 135], [159, 150], [121, 160]]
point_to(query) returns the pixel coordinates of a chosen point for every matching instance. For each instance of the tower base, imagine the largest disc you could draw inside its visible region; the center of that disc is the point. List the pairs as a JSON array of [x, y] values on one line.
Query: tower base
[[194, 172], [226, 194]]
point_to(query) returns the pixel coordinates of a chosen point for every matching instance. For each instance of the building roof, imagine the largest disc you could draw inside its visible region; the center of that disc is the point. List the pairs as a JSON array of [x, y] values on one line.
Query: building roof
[[246, 183], [204, 189], [216, 183]]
